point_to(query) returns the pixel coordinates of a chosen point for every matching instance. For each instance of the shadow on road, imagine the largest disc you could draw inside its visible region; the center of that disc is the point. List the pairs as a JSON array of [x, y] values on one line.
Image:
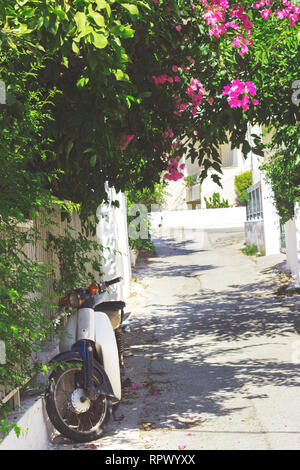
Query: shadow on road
[[203, 354], [207, 355]]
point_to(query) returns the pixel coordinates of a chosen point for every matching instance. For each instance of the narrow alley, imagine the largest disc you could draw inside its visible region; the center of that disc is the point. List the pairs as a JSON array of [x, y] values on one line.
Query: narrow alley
[[211, 352]]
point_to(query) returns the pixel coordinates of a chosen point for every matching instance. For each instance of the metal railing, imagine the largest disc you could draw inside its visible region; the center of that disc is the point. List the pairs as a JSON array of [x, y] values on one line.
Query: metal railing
[[254, 206]]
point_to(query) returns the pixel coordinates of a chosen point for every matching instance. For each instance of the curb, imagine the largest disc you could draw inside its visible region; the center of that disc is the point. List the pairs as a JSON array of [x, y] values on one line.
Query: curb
[[32, 418]]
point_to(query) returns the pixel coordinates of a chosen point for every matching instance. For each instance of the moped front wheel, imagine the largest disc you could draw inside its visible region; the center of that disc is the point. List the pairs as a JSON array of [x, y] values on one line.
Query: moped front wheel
[[71, 412]]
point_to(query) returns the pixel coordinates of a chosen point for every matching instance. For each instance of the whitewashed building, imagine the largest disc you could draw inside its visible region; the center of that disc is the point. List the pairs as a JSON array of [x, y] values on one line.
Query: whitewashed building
[[188, 197]]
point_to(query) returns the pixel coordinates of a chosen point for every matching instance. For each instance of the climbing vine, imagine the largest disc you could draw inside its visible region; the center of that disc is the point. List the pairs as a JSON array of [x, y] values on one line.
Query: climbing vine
[[79, 260]]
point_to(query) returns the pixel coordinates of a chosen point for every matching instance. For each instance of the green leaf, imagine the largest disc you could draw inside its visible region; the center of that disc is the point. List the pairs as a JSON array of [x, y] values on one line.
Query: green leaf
[[80, 20], [131, 9], [75, 48], [146, 94], [82, 82], [120, 75], [101, 4], [99, 19], [93, 160], [99, 40]]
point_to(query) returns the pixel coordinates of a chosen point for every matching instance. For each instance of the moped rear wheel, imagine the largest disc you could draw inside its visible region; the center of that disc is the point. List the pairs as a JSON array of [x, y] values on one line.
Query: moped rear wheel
[[71, 412]]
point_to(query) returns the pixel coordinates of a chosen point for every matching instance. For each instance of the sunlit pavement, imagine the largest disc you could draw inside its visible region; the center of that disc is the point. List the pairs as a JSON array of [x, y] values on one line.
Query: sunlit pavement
[[212, 354]]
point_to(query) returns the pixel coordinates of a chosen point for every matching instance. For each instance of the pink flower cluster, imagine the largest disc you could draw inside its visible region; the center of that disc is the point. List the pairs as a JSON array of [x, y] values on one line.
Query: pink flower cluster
[[161, 79], [242, 43], [195, 91], [217, 14], [169, 133], [291, 11], [172, 170], [124, 140], [238, 94]]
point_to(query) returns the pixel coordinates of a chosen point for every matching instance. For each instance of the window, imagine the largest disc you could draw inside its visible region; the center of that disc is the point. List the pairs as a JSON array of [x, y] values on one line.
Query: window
[[254, 205]]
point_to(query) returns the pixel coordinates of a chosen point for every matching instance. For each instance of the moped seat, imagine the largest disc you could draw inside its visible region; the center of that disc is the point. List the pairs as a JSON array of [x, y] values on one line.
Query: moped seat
[[110, 306]]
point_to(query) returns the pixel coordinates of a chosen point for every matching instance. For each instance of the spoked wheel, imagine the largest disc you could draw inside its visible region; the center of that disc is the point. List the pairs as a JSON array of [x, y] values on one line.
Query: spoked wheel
[[71, 412]]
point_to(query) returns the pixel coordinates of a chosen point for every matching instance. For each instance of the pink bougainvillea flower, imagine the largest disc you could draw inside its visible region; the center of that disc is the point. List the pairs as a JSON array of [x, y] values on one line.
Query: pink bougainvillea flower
[[129, 138], [171, 133], [245, 101], [238, 92], [265, 13], [175, 68], [136, 387], [178, 27], [280, 14], [124, 140], [173, 162]]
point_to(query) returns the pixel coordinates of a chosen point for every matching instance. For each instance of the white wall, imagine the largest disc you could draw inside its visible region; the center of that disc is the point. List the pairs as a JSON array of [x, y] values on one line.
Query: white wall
[[208, 187], [254, 234], [255, 160], [233, 163], [265, 233], [175, 198], [112, 234], [271, 219], [292, 240], [33, 419], [200, 219]]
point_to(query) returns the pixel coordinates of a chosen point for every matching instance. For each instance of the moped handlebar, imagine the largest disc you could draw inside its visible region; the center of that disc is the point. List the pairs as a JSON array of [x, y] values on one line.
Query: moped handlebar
[[113, 281], [76, 298]]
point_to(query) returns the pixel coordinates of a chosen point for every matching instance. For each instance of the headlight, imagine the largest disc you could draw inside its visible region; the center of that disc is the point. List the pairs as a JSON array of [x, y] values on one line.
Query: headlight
[[74, 299]]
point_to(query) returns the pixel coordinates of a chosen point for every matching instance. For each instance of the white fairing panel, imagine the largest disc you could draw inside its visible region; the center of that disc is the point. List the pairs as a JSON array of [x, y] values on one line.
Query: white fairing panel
[[105, 341], [86, 324]]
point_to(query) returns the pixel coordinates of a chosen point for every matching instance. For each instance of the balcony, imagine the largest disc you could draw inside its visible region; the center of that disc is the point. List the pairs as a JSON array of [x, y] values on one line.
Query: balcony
[[193, 196]]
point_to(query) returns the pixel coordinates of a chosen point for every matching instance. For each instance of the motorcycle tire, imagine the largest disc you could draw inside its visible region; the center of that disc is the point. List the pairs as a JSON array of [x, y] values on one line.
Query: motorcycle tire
[[71, 413]]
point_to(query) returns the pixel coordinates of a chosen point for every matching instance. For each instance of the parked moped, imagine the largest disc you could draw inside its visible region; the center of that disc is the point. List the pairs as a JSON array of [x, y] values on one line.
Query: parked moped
[[85, 382]]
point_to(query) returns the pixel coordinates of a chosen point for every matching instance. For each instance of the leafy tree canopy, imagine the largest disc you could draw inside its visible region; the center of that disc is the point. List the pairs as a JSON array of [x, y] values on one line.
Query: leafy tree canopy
[[129, 86]]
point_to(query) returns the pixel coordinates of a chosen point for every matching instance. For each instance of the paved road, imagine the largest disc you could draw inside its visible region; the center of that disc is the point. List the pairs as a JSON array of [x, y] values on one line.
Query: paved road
[[212, 354]]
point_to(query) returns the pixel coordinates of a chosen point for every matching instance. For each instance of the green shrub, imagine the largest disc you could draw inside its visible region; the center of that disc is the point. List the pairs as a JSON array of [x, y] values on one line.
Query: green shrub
[[283, 173], [242, 182], [190, 180], [250, 250], [215, 202], [144, 198]]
